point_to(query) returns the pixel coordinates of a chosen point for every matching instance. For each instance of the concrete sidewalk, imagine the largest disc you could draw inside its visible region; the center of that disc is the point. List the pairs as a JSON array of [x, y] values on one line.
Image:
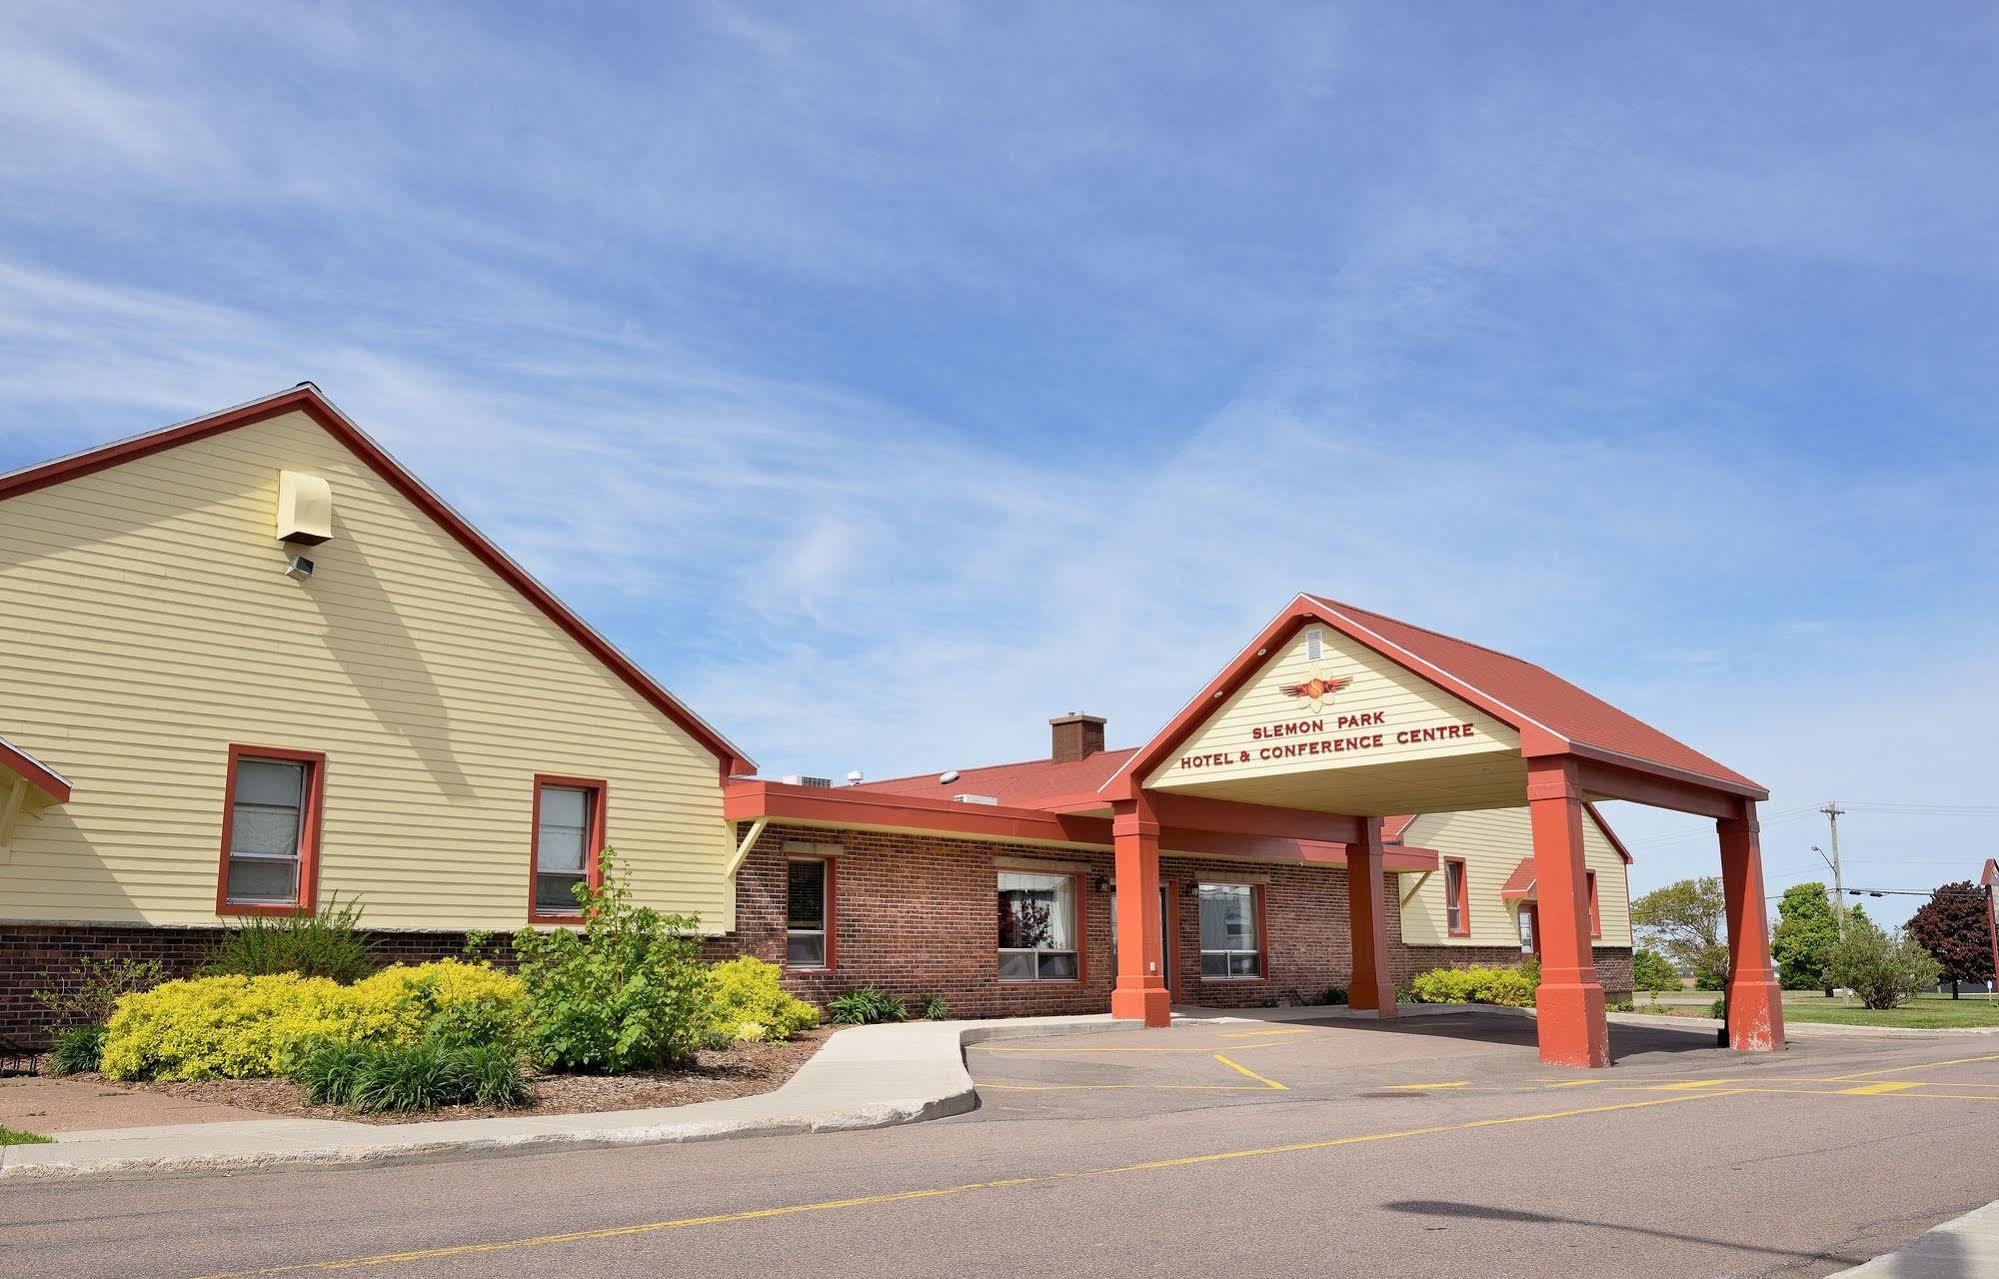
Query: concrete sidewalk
[[1960, 1249], [864, 1077]]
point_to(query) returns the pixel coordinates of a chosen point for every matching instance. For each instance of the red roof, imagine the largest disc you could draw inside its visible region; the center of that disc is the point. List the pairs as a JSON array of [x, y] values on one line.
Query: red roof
[[306, 398], [1536, 695], [1520, 882], [1026, 784], [39, 775]]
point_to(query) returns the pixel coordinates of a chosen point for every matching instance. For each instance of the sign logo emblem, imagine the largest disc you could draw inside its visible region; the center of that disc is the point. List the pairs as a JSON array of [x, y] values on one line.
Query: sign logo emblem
[[1320, 689]]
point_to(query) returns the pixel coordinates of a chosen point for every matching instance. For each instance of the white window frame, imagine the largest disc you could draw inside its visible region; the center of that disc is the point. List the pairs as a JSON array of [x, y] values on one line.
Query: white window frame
[[1042, 954], [1255, 950], [823, 932], [296, 858]]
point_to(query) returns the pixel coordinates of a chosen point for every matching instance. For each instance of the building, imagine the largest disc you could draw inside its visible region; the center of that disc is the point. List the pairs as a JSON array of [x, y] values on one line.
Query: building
[[249, 664]]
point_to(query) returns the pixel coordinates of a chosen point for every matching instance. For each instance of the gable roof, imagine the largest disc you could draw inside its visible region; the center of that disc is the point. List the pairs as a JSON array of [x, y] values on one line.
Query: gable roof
[[1549, 712], [1536, 694], [306, 398], [1026, 784]]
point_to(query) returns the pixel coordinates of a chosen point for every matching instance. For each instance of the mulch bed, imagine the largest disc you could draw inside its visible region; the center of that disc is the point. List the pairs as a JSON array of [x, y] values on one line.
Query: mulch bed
[[741, 1070]]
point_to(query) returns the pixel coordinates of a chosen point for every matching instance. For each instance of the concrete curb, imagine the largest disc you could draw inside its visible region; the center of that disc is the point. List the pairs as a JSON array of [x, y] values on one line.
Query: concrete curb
[[864, 1077], [1954, 1250]]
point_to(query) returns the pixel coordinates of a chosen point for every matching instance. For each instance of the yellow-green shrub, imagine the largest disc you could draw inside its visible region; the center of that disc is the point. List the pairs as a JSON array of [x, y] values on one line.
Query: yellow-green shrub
[[248, 1027], [749, 1003], [1507, 987]]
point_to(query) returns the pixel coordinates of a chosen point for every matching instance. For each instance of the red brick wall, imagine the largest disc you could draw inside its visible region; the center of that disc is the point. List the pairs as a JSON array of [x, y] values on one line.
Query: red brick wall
[[44, 957]]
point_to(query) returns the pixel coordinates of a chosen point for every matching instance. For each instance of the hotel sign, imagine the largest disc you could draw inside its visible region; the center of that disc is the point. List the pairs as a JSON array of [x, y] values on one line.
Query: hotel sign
[[1327, 735]]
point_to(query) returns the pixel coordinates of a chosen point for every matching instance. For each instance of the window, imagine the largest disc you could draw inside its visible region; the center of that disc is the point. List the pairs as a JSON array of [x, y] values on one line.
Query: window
[[568, 833], [1231, 941], [808, 919], [1457, 901], [270, 831], [1037, 928], [1595, 918]]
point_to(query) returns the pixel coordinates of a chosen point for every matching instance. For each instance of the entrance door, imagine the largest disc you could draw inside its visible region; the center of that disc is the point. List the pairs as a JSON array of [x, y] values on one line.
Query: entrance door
[[1530, 929], [1165, 939]]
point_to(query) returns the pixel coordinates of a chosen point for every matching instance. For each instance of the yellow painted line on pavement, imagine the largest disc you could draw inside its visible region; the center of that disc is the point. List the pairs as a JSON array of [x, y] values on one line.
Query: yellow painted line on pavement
[[1125, 1087], [939, 1192], [1688, 1085], [1242, 1069], [1876, 1089], [1258, 1034], [1926, 1065], [1102, 1052], [1577, 1083], [1456, 1083]]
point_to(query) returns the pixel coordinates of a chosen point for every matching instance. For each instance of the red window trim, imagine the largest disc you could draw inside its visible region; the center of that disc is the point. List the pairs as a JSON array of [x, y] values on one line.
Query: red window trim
[[308, 832], [1256, 900], [1082, 931], [1595, 916], [1464, 898], [600, 801], [831, 863]]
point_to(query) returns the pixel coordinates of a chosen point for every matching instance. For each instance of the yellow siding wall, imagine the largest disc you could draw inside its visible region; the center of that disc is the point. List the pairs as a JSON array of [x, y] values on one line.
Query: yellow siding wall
[[145, 624], [1402, 700], [1492, 842]]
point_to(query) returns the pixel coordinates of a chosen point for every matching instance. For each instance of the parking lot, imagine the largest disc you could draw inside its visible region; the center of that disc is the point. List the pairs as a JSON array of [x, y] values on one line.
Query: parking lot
[[1426, 1146]]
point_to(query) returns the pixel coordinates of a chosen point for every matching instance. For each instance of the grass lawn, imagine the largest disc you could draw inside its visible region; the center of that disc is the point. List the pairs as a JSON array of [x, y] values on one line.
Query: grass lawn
[[1926, 1012], [15, 1137]]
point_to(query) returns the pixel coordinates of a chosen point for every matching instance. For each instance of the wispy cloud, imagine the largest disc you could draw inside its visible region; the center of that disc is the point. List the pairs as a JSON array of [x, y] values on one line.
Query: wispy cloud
[[948, 369]]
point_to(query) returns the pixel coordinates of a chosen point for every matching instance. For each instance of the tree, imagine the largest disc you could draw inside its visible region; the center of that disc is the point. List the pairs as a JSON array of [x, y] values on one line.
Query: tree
[[1685, 921], [1952, 926], [1883, 970], [1652, 971], [1802, 944]]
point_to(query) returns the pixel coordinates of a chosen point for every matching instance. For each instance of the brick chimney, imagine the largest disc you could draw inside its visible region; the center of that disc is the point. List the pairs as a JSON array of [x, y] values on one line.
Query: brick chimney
[[1076, 737]]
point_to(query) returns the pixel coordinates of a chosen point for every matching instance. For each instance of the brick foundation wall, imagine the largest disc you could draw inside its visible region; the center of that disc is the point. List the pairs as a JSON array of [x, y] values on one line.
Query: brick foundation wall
[[44, 957]]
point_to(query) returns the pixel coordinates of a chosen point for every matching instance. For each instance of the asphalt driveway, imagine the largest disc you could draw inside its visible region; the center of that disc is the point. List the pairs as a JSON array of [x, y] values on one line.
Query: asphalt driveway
[[1435, 1146]]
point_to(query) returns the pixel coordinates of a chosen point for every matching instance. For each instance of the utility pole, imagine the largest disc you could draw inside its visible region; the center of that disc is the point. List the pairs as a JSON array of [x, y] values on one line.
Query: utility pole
[[1832, 812]]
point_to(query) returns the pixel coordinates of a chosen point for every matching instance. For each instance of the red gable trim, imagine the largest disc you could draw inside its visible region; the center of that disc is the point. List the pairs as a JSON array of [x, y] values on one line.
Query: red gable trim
[[39, 775], [1520, 884], [1608, 833], [306, 398]]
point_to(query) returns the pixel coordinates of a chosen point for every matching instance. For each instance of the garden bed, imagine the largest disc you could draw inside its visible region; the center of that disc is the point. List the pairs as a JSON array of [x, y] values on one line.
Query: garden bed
[[740, 1070]]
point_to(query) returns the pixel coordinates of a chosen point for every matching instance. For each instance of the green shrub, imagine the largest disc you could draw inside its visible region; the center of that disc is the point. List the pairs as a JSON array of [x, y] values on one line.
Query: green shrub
[[625, 992], [866, 1006], [99, 985], [1620, 1006], [1505, 987], [328, 1071], [78, 1051], [15, 1137], [1652, 971], [748, 1002], [250, 1027], [492, 1076], [419, 1076], [1719, 1008], [1883, 969], [935, 1009], [327, 944], [1332, 995]]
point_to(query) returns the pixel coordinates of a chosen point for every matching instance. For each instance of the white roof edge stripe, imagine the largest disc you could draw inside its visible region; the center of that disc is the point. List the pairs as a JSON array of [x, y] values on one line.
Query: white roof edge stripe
[[30, 757]]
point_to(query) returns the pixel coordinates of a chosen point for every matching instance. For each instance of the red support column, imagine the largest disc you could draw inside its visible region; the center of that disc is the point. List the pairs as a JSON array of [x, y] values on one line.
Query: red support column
[[1573, 1031], [1755, 1000], [1141, 992], [1372, 988]]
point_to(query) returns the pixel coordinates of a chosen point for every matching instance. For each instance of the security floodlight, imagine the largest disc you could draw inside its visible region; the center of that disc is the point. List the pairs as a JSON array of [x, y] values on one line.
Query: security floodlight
[[298, 567]]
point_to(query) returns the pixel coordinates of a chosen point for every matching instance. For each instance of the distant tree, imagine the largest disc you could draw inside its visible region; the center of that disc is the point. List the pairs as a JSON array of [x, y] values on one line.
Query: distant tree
[[1685, 921], [1652, 971], [1883, 970], [1803, 940], [1951, 925]]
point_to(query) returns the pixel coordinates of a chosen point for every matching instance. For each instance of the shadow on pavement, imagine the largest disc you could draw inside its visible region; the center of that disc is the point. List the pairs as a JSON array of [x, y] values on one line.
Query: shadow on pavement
[[1502, 1030], [1485, 1212]]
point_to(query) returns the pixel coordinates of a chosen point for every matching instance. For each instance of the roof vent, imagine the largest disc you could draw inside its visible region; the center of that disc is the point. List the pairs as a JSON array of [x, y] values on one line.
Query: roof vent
[[854, 778], [305, 508], [1075, 737], [817, 783], [947, 778], [992, 800], [1315, 642]]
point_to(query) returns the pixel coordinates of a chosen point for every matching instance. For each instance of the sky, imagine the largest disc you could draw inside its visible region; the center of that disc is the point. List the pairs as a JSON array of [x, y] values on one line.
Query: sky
[[889, 378]]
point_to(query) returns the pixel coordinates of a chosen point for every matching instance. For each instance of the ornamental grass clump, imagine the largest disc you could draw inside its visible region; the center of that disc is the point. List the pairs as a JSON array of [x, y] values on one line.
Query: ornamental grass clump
[[624, 992], [327, 943], [867, 1006]]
